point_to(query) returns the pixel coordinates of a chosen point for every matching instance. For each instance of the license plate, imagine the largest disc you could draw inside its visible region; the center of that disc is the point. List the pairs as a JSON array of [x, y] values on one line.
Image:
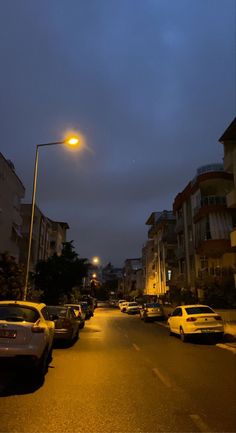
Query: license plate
[[7, 333], [208, 330]]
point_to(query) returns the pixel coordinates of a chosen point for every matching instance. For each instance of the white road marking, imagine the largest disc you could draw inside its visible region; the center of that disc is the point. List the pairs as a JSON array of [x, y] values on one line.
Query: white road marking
[[136, 347], [225, 346], [163, 378], [201, 425]]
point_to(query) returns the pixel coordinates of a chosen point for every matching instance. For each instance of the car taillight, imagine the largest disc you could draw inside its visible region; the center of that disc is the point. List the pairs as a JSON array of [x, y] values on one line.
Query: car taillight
[[37, 329], [191, 319], [218, 317]]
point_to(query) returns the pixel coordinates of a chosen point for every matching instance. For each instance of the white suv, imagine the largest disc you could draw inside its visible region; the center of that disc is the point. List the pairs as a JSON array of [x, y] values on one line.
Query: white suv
[[26, 333]]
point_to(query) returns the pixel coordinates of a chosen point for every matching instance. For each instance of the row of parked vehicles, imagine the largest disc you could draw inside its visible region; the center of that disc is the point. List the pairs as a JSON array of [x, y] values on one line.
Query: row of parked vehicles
[[28, 330], [184, 320]]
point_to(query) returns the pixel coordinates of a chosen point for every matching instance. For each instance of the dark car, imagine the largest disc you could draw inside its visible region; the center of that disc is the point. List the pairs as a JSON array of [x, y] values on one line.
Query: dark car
[[87, 309], [66, 323], [80, 314]]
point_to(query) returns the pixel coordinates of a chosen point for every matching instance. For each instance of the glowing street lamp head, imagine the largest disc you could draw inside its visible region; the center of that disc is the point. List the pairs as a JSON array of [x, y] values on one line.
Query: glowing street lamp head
[[73, 141]]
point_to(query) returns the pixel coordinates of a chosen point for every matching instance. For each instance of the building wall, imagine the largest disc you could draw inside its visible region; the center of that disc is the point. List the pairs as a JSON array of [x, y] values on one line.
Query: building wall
[[204, 233], [11, 193]]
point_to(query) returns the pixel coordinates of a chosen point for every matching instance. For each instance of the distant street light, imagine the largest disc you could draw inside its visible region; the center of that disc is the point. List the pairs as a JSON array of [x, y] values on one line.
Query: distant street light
[[96, 260], [71, 141]]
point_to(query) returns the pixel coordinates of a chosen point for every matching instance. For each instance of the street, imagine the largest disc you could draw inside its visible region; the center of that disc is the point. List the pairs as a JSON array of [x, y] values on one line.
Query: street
[[124, 375]]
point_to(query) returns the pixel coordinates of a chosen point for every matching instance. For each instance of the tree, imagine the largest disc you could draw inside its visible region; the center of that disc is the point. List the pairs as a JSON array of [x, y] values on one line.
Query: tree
[[58, 276], [11, 278]]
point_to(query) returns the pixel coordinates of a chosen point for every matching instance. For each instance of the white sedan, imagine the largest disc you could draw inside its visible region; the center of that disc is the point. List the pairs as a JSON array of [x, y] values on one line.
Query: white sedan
[[26, 333], [188, 320]]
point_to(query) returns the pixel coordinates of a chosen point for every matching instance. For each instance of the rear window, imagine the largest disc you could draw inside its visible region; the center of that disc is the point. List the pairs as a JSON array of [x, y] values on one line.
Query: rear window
[[58, 311], [17, 313], [199, 310], [153, 305]]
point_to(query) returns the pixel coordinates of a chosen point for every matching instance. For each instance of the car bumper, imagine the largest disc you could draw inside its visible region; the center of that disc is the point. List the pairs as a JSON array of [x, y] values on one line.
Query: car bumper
[[136, 311], [62, 334], [28, 351], [205, 330]]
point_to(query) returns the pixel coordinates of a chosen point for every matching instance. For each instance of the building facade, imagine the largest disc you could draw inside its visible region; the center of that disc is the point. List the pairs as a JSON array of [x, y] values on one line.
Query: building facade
[[203, 225], [132, 277], [12, 191], [47, 237], [228, 139], [160, 260]]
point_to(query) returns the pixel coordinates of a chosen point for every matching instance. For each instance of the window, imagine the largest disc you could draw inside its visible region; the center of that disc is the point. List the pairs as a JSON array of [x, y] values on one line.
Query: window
[[198, 310], [45, 313], [18, 313]]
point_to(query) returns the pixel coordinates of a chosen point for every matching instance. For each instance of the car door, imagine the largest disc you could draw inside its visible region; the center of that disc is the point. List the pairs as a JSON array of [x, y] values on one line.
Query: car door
[[174, 320]]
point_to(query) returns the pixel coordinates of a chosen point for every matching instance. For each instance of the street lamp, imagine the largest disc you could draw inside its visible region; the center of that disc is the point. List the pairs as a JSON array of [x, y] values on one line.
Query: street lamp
[[71, 141]]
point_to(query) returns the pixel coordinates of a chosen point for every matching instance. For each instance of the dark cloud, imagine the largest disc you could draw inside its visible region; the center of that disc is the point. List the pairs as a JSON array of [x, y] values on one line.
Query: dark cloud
[[151, 84]]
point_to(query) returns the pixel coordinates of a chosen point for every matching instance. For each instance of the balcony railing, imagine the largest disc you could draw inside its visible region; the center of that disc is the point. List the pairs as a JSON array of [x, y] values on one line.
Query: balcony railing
[[211, 200]]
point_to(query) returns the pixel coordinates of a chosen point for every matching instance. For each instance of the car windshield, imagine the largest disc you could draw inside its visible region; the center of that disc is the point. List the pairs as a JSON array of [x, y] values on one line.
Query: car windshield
[[18, 313], [133, 304], [153, 305], [58, 311], [198, 310]]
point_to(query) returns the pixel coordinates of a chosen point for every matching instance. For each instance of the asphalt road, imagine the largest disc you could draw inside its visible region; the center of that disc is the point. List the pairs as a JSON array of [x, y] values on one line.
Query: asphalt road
[[124, 375]]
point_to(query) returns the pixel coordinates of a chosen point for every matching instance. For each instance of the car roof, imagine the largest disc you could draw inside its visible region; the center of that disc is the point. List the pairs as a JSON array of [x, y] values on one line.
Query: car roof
[[192, 305], [38, 305]]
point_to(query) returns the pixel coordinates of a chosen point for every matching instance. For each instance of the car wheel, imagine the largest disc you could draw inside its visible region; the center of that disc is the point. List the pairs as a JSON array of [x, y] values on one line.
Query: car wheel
[[81, 326], [170, 332], [183, 336], [49, 356]]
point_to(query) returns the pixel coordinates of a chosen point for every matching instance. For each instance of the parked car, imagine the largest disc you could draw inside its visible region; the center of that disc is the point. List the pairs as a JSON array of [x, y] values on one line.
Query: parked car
[[86, 308], [26, 334], [132, 308], [120, 302], [123, 306], [66, 323], [151, 311], [187, 320], [80, 314]]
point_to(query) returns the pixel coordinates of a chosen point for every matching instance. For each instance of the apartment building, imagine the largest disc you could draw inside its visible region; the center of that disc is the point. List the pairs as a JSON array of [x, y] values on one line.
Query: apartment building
[[12, 191], [160, 263], [47, 237], [228, 139], [57, 236], [203, 225], [132, 276]]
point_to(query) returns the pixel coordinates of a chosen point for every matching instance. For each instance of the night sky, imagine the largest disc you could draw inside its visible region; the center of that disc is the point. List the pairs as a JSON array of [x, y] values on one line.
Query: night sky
[[149, 83]]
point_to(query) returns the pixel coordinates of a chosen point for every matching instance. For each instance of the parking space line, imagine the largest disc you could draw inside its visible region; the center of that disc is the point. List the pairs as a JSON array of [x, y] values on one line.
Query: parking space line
[[136, 347], [201, 425], [163, 378]]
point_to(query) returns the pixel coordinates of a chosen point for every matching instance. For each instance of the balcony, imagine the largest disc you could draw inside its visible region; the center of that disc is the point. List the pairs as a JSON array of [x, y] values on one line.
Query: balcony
[[231, 198], [213, 247], [233, 237], [211, 203]]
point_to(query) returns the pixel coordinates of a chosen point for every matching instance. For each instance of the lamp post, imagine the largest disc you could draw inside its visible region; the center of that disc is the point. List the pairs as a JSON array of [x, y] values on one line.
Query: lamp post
[[73, 141]]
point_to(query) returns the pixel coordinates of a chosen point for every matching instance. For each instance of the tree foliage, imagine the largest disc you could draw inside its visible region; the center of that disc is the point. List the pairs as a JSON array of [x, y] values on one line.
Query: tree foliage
[[59, 275], [11, 278]]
